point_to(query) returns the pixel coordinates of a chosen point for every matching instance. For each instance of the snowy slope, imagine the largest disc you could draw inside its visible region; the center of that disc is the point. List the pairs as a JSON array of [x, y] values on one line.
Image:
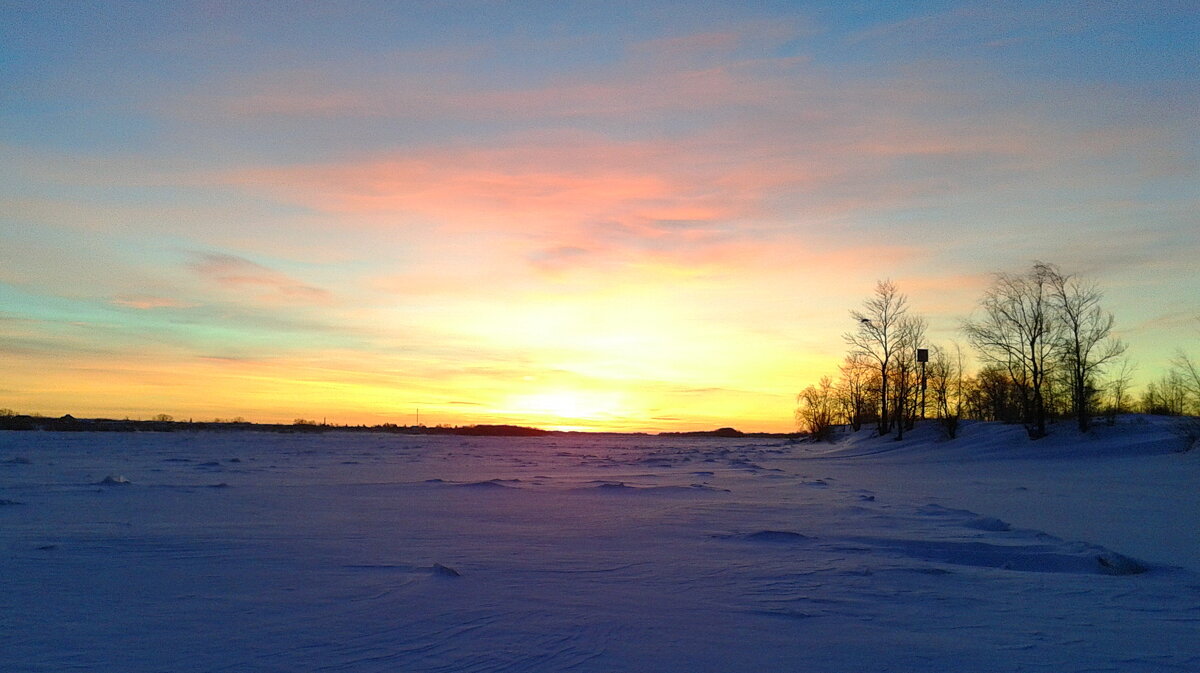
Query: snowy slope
[[350, 552], [1127, 486]]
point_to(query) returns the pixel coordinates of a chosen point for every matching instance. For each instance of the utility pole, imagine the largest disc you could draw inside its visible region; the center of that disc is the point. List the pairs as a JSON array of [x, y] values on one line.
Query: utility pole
[[922, 357]]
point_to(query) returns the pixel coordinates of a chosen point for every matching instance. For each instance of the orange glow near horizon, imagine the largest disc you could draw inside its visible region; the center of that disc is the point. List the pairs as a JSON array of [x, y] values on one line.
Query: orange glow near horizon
[[595, 391], [562, 409]]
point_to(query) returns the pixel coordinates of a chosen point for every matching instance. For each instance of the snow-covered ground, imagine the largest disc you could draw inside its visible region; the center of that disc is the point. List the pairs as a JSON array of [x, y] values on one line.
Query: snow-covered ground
[[369, 552]]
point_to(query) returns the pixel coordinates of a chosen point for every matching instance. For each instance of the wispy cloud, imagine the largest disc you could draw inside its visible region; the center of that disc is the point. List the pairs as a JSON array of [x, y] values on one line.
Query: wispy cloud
[[149, 302], [675, 74], [243, 275]]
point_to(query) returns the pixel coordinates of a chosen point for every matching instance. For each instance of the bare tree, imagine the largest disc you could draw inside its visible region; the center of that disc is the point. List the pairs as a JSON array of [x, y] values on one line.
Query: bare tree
[[1020, 330], [855, 385], [877, 337], [992, 395], [1188, 372], [1118, 390], [1087, 343], [816, 409], [947, 387], [909, 335], [1168, 396]]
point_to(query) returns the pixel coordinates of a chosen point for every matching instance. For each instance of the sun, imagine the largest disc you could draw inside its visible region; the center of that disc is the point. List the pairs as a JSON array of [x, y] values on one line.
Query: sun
[[562, 404], [566, 409]]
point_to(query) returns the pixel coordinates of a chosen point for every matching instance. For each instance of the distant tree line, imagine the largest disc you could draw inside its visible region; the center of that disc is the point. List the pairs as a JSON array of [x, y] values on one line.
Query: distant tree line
[[10, 420], [1046, 351]]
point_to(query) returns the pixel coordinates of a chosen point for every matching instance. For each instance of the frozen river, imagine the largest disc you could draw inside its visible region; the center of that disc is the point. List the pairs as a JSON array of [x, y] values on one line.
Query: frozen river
[[371, 552]]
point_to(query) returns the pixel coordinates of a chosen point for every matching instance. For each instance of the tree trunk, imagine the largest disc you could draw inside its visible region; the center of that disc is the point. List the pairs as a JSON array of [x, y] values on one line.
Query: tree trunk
[[1082, 413], [883, 401], [1039, 415]]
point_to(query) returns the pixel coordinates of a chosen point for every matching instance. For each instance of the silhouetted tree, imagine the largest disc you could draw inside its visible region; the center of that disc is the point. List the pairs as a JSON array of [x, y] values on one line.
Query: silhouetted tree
[[910, 334], [856, 387], [1188, 374], [877, 337], [1118, 390], [992, 395], [947, 387], [1056, 392], [1167, 396], [816, 409], [1087, 345], [1019, 330]]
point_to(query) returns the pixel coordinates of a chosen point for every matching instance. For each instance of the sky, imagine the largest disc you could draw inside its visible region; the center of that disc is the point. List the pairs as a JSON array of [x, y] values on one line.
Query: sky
[[589, 215]]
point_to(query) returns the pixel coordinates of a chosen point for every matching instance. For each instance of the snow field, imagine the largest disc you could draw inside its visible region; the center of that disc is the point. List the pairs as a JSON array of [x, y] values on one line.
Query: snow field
[[357, 552]]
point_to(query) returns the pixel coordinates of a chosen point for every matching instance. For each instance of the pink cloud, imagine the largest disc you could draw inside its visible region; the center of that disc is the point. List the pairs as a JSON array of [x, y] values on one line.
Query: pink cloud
[[527, 188], [149, 302], [243, 275], [573, 204], [560, 258], [785, 157]]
